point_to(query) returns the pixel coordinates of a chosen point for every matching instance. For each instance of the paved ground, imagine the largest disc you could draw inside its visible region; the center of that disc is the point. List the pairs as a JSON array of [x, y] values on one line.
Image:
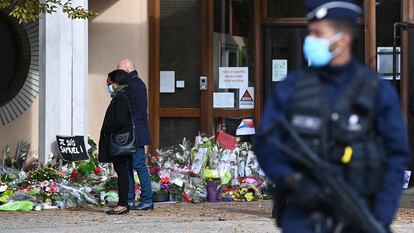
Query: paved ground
[[207, 217]]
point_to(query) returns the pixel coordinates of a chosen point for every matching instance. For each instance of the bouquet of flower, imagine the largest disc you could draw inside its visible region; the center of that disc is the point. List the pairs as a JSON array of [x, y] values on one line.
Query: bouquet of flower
[[48, 190], [177, 187], [43, 173], [164, 183], [111, 184], [245, 192]]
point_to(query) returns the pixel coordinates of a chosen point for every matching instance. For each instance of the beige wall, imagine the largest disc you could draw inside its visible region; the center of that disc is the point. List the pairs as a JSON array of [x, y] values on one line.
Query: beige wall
[[120, 31], [23, 128]]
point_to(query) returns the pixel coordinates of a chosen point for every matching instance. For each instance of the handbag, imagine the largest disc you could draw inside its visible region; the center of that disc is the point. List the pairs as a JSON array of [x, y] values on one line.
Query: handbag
[[122, 144]]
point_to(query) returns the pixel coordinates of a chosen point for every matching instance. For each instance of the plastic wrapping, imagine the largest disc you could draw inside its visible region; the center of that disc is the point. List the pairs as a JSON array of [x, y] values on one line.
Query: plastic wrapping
[[17, 206], [78, 195], [22, 196], [5, 196], [177, 169], [111, 197]]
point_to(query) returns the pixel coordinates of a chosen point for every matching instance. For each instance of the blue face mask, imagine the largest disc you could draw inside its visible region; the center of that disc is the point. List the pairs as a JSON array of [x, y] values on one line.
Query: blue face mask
[[110, 89], [317, 52]]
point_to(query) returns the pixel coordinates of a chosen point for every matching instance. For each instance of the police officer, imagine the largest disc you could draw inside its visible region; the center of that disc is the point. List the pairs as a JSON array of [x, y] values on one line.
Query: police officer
[[338, 106]]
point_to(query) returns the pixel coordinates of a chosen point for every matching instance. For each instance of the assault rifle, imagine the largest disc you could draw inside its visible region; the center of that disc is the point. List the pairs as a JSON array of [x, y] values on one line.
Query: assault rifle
[[339, 195]]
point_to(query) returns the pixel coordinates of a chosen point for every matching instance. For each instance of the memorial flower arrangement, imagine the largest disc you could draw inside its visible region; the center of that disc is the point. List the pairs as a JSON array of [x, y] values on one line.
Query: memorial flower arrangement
[[42, 173], [165, 183], [50, 190], [182, 171]]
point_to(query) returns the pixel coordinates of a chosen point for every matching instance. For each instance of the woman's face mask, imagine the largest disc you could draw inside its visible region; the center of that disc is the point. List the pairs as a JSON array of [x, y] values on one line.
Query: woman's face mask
[[317, 51], [110, 89]]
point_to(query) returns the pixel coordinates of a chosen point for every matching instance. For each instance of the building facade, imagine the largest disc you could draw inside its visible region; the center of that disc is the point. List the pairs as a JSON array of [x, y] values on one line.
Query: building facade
[[207, 63]]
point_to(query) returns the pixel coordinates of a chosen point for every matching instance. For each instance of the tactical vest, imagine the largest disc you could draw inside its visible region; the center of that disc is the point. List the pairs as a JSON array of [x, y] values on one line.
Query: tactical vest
[[345, 135]]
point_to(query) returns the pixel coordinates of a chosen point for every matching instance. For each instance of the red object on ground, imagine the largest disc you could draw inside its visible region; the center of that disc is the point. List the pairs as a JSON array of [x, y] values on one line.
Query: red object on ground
[[226, 140], [186, 198]]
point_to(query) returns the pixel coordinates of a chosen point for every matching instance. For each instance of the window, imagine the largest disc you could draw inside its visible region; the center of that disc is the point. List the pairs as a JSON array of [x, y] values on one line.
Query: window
[[19, 63], [8, 60], [388, 13], [286, 8], [233, 20]]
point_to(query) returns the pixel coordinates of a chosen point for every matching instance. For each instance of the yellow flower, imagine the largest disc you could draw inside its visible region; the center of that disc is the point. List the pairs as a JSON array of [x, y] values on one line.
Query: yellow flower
[[249, 196]]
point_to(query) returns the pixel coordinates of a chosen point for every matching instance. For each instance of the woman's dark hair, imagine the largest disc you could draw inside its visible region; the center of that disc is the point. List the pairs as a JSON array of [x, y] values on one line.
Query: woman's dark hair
[[118, 76]]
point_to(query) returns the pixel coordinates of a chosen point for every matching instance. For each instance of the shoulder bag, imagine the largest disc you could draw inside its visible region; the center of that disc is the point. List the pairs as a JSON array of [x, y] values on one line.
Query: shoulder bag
[[122, 144]]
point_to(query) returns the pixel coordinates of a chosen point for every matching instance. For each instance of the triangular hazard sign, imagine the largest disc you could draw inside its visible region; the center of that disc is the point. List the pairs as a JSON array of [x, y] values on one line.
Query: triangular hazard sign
[[246, 96]]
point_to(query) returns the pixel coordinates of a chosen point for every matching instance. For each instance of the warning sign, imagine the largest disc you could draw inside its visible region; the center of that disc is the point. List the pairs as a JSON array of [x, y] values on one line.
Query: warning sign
[[246, 98]]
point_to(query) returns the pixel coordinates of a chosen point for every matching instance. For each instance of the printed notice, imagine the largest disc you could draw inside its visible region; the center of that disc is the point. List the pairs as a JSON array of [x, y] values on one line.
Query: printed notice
[[279, 69], [223, 100], [167, 81], [233, 77]]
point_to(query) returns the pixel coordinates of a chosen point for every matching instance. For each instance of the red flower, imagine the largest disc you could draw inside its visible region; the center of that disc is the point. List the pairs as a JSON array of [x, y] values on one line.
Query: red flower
[[74, 175], [97, 170], [52, 189], [165, 180]]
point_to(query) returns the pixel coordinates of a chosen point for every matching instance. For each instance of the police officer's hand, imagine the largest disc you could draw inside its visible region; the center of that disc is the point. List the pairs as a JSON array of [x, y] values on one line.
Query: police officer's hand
[[304, 191]]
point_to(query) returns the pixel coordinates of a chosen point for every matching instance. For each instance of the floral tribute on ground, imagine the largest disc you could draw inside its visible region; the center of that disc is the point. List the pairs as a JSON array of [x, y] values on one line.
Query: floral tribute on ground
[[211, 170]]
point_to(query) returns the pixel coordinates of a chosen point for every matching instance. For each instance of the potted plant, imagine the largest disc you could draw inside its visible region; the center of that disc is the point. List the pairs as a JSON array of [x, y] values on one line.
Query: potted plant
[[213, 182], [160, 187]]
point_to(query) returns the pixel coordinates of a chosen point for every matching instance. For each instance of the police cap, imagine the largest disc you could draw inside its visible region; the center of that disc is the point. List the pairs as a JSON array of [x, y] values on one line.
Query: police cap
[[345, 10]]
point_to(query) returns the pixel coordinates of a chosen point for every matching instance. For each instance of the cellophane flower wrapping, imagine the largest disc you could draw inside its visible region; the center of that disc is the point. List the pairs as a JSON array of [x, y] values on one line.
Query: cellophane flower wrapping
[[180, 169]]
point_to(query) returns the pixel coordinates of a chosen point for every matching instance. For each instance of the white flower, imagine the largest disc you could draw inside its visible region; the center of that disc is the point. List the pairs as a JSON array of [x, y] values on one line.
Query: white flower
[[156, 186], [3, 188]]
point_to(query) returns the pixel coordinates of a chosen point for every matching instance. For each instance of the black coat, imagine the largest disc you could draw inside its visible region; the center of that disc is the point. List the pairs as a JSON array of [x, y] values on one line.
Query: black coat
[[117, 120], [137, 94]]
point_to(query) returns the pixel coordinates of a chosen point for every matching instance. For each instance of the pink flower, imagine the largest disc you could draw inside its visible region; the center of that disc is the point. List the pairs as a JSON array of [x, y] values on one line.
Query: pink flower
[[44, 184], [154, 170]]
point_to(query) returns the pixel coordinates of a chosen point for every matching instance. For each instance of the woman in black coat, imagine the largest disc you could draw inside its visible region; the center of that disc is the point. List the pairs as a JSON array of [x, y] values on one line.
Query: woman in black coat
[[117, 120]]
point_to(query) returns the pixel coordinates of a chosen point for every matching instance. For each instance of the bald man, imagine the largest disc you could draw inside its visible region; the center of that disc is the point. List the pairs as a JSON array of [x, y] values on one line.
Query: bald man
[[137, 95]]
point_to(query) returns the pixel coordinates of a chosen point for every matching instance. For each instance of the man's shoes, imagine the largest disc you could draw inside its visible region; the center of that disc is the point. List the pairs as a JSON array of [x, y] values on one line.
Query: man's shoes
[[143, 206], [131, 204], [119, 212]]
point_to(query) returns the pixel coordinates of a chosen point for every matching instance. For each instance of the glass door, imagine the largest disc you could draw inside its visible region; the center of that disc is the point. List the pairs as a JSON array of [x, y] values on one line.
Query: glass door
[[283, 52]]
